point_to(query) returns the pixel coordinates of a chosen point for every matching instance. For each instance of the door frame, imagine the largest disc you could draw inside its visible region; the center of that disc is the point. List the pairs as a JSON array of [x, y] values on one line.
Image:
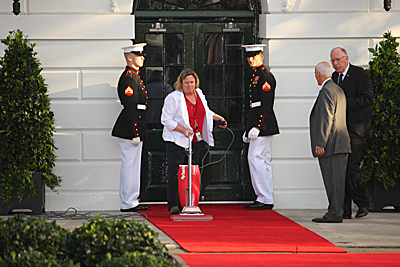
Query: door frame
[[146, 18]]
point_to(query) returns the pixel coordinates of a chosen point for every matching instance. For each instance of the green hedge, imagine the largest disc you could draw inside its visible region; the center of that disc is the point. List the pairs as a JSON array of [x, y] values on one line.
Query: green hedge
[[101, 242], [26, 121], [381, 155]]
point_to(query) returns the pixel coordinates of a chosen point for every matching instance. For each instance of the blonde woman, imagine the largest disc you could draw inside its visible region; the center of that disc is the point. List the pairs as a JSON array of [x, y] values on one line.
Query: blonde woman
[[185, 112]]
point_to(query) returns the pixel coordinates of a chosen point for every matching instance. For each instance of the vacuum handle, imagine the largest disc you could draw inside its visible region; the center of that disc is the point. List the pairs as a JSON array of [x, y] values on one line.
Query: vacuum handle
[[190, 138], [190, 169]]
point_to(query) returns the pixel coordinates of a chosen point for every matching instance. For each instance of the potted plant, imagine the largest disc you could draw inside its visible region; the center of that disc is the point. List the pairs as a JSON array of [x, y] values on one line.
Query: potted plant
[[26, 125], [381, 156]]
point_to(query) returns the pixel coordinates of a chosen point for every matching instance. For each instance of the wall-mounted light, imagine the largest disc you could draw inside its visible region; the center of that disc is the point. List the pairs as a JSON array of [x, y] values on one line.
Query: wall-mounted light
[[114, 5], [157, 27], [230, 27], [387, 4], [284, 5], [16, 7]]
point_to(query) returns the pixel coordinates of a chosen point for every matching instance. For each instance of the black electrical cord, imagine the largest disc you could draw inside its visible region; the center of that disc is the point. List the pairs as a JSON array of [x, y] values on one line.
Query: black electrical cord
[[64, 215], [223, 157], [52, 215]]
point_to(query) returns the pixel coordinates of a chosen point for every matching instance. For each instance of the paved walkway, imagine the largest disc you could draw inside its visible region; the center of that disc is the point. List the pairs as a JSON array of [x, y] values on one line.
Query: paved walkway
[[378, 232]]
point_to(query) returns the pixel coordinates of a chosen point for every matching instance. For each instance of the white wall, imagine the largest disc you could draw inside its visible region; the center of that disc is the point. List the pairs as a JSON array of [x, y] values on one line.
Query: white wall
[[78, 45], [300, 35]]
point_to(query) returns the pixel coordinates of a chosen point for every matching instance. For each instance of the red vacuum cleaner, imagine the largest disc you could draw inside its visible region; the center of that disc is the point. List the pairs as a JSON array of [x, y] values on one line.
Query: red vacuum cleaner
[[189, 191]]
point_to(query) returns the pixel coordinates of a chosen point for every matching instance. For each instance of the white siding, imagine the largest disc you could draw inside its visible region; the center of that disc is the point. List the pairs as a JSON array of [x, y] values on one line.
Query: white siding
[[325, 6], [73, 7], [61, 27], [78, 6], [78, 45]]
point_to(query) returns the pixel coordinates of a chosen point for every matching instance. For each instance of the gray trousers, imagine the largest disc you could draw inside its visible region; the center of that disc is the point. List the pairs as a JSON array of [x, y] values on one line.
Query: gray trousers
[[333, 169]]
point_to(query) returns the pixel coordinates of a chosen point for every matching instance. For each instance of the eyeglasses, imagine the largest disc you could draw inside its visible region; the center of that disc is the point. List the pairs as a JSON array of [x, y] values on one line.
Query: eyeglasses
[[336, 59]]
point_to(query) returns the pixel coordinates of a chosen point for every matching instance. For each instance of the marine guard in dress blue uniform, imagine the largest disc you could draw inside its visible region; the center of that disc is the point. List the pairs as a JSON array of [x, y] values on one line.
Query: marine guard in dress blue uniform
[[261, 126], [130, 128]]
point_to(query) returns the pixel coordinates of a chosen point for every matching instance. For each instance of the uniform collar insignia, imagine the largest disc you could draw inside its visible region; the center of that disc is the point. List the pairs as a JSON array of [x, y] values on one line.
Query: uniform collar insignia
[[132, 69], [258, 68]]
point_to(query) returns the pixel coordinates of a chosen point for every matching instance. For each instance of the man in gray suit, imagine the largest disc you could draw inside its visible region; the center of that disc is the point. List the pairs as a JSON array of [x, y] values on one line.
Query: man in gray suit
[[330, 141]]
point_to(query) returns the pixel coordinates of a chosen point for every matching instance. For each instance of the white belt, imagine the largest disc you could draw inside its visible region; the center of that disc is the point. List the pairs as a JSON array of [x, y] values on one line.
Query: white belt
[[141, 106], [255, 104]]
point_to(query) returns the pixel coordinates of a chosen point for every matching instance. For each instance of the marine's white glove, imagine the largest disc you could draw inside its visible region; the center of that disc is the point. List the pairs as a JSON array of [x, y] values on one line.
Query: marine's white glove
[[245, 139], [135, 141], [253, 133]]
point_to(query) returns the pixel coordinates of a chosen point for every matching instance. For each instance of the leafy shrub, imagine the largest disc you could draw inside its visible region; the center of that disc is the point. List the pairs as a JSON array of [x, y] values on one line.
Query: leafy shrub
[[137, 259], [101, 242], [381, 156], [33, 258], [26, 122], [26, 240]]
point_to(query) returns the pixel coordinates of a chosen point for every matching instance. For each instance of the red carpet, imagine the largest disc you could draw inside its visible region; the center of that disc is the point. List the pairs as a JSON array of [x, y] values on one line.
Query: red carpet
[[291, 260], [234, 229]]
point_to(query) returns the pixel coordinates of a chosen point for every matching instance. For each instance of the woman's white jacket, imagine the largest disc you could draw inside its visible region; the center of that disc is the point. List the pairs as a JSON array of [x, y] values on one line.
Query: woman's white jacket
[[175, 112]]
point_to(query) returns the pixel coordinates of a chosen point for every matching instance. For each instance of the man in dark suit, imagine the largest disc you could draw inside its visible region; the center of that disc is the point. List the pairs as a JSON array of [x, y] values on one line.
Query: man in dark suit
[[130, 128], [330, 141], [357, 87]]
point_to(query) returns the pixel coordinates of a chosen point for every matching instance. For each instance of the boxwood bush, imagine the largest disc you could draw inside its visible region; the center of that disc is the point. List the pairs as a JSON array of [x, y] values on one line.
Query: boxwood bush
[[100, 242], [30, 241], [381, 154], [33, 258], [103, 240], [26, 121]]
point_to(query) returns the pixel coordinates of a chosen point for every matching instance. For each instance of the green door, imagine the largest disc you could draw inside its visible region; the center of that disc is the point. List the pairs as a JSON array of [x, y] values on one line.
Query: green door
[[215, 53]]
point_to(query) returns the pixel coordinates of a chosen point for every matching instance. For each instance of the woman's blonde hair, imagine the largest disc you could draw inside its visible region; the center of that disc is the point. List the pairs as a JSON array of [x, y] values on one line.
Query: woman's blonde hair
[[184, 73]]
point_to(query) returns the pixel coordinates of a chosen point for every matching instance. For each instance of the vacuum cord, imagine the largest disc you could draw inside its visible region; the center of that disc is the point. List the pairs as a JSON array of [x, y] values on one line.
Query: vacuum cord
[[224, 156]]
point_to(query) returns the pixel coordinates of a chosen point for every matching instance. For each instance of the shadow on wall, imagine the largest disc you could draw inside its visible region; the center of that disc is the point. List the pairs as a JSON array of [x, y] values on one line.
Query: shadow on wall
[[97, 91]]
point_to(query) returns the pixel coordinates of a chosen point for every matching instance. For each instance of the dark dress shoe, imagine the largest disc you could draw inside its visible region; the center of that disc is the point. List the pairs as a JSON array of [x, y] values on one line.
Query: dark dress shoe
[[346, 216], [324, 220], [259, 206], [362, 211], [137, 208], [174, 210]]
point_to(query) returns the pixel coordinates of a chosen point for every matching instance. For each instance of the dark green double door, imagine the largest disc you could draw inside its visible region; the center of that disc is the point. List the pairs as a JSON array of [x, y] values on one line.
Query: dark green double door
[[216, 56]]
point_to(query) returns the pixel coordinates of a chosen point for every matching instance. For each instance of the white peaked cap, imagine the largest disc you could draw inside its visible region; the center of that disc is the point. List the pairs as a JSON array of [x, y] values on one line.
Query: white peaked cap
[[136, 48], [254, 47]]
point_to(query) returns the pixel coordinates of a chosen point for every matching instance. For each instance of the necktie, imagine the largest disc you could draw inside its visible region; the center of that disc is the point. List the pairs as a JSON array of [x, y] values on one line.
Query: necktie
[[340, 78]]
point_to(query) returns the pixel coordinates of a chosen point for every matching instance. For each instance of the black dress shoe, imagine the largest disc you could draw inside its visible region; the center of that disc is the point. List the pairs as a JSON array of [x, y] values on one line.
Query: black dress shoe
[[324, 220], [174, 210], [362, 211], [137, 208], [346, 216], [259, 206]]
